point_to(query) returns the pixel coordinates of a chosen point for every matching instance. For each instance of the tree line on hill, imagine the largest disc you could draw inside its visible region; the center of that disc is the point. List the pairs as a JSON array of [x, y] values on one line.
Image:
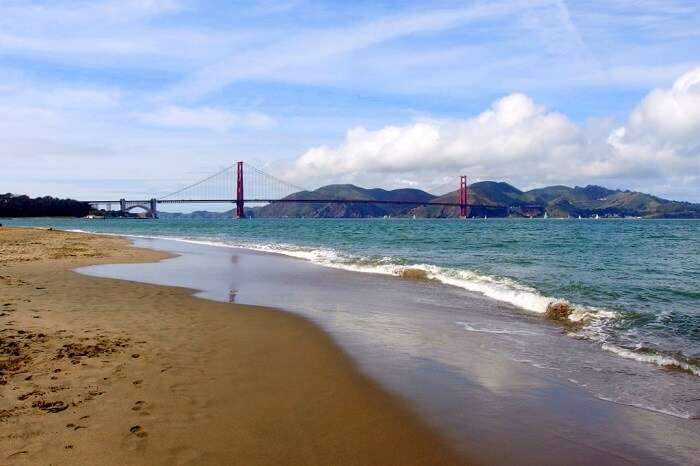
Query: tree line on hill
[[13, 205]]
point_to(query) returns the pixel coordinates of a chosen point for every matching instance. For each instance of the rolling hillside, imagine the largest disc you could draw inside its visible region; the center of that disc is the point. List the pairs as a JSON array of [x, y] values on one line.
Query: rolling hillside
[[344, 191], [556, 201]]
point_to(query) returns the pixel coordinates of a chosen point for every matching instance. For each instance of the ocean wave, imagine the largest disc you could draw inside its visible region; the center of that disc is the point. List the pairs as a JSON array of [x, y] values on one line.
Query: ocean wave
[[498, 288], [653, 357]]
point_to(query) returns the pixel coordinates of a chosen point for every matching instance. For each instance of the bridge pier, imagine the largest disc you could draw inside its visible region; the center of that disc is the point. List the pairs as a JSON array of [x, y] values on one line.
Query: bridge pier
[[154, 208], [122, 206]]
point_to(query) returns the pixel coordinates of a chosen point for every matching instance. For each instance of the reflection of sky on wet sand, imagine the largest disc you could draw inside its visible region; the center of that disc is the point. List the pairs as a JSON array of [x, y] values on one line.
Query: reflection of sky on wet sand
[[453, 355]]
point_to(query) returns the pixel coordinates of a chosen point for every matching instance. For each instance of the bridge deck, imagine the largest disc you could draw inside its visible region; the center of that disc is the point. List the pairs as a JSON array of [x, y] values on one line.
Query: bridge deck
[[308, 201]]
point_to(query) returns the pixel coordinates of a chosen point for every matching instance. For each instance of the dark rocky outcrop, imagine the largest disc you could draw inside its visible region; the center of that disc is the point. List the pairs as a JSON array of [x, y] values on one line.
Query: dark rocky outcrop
[[559, 311]]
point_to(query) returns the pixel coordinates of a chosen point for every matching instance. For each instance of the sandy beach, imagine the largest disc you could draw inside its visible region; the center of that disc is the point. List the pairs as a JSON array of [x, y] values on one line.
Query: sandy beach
[[102, 371]]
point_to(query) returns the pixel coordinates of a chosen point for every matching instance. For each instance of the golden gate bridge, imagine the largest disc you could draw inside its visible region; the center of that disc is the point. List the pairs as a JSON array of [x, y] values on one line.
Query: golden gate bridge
[[252, 185]]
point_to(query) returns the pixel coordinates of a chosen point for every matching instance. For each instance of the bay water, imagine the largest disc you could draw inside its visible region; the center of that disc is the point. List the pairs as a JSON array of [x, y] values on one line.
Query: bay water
[[634, 285]]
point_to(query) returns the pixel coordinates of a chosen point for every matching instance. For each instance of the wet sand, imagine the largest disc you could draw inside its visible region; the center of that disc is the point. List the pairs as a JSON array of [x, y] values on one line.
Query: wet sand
[[477, 387], [102, 371]]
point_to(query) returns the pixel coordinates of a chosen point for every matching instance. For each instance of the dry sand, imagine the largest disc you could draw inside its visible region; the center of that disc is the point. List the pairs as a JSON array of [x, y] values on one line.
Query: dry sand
[[100, 371]]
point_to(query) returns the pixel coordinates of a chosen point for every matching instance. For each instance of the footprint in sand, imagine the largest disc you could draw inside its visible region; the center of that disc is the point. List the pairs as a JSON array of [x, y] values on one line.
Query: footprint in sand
[[136, 439], [138, 431], [141, 406], [166, 367]]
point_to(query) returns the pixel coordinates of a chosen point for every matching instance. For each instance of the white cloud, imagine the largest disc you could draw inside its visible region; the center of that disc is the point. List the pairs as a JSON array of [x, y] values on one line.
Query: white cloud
[[81, 11], [301, 55], [669, 115], [132, 83], [520, 141], [209, 118], [662, 134], [512, 133]]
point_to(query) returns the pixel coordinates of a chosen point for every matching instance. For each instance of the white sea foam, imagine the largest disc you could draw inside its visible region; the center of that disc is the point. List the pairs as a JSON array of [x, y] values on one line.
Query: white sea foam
[[648, 407], [504, 331], [498, 288], [662, 360]]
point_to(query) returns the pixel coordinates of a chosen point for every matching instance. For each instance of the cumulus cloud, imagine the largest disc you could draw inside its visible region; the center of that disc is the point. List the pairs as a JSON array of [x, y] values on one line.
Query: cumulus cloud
[[515, 134], [208, 118], [662, 134], [672, 115], [523, 142]]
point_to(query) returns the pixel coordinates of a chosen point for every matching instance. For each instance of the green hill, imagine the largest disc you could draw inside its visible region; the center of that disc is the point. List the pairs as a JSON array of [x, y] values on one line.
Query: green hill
[[344, 210], [497, 199]]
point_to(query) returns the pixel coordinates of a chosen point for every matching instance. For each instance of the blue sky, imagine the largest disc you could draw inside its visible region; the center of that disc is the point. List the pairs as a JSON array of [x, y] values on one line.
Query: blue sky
[[134, 98]]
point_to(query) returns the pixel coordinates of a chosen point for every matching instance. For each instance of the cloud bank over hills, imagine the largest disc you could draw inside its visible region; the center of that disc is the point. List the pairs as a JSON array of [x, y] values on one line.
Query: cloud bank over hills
[[524, 142], [115, 98]]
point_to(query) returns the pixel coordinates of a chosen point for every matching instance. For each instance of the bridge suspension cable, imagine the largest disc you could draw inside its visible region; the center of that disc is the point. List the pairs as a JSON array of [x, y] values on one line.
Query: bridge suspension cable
[[252, 185], [445, 188], [201, 188], [261, 185], [222, 185]]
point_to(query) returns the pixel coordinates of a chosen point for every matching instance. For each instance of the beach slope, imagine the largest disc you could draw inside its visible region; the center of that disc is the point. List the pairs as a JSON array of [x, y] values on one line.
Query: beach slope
[[101, 371]]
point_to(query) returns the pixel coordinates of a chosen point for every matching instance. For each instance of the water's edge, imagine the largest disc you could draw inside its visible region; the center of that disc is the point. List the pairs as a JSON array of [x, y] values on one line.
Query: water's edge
[[400, 375]]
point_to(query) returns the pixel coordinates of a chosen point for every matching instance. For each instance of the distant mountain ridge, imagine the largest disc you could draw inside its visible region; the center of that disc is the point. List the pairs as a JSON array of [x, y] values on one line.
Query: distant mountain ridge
[[344, 191], [555, 201]]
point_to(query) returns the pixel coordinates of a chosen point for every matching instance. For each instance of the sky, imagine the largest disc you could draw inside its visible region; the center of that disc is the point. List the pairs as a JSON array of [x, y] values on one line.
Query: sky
[[126, 98]]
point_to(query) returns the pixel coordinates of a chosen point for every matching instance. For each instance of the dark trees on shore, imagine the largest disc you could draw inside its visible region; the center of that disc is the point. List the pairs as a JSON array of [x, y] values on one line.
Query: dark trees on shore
[[12, 205]]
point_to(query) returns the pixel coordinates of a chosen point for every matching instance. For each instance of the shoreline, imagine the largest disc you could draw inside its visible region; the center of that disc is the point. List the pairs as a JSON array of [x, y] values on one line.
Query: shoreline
[[471, 391], [135, 373], [579, 316]]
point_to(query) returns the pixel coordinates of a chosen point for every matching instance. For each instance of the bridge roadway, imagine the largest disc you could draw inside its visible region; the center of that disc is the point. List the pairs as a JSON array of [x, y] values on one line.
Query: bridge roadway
[[150, 204], [318, 201]]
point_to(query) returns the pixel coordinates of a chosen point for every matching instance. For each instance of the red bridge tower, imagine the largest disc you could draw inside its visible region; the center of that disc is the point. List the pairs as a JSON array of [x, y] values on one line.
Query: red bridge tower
[[463, 197], [240, 213]]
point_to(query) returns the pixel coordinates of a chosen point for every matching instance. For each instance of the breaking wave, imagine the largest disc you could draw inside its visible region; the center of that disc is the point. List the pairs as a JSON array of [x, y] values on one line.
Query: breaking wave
[[498, 288], [501, 289], [651, 356]]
